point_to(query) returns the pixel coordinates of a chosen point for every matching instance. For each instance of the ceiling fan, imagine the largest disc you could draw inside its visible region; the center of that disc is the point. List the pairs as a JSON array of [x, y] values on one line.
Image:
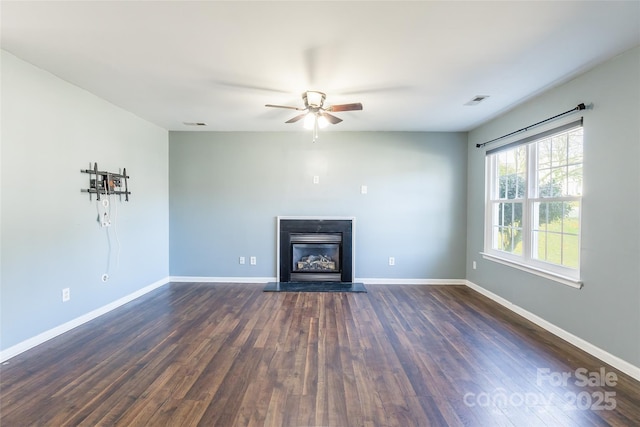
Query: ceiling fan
[[315, 114]]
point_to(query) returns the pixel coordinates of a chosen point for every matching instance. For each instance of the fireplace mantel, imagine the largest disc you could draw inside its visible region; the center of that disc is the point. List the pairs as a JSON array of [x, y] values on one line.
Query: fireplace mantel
[[315, 226]]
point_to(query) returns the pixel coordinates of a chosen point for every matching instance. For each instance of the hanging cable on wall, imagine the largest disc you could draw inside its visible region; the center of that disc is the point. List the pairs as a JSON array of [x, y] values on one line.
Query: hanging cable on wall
[[111, 227], [108, 219], [579, 107], [106, 203]]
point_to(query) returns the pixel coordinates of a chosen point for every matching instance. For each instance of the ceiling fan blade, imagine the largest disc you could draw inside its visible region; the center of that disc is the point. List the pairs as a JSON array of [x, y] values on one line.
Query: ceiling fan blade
[[296, 118], [284, 106], [331, 118], [345, 107]]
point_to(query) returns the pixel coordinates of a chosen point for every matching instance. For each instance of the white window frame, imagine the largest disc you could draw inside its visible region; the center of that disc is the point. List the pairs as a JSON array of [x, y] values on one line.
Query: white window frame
[[526, 261]]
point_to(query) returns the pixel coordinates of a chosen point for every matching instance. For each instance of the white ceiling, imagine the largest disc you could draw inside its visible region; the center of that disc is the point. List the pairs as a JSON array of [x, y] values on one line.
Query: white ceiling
[[413, 65]]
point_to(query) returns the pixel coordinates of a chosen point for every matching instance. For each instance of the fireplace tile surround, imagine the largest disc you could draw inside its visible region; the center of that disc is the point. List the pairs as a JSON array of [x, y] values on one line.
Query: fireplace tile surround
[[315, 249]]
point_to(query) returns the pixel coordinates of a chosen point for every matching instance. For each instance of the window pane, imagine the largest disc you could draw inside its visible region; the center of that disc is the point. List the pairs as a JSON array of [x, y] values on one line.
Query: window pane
[[559, 150], [520, 186], [500, 242], [544, 183], [559, 181], [509, 239], [574, 181], [498, 238], [570, 251], [512, 186], [559, 168], [553, 248], [509, 214], [521, 160], [548, 247], [517, 242], [517, 214], [544, 154], [571, 218], [551, 182], [508, 236], [555, 236], [511, 166], [503, 185], [550, 214], [574, 149]]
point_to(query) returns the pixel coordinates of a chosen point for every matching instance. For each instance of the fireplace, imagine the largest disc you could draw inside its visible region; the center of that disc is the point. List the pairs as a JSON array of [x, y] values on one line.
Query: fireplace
[[315, 249]]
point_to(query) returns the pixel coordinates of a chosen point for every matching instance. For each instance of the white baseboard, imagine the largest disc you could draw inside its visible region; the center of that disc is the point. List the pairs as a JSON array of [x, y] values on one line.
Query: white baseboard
[[65, 327], [376, 281], [615, 361], [202, 279]]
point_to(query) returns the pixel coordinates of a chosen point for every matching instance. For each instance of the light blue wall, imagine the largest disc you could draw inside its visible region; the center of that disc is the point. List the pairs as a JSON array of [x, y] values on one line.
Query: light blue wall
[[50, 239], [606, 312], [226, 190]]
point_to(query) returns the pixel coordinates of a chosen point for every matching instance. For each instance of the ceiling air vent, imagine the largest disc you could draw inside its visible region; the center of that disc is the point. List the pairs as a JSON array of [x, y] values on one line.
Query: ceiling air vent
[[477, 99]]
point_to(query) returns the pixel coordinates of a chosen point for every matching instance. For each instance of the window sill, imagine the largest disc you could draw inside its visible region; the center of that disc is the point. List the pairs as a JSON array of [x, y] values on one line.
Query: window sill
[[574, 283]]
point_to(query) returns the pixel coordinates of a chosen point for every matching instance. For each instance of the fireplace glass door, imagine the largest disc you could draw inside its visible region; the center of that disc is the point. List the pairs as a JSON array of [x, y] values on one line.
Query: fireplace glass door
[[315, 256]]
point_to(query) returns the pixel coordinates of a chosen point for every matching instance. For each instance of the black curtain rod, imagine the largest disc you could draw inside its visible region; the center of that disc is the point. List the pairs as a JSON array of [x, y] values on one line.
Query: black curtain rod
[[580, 107]]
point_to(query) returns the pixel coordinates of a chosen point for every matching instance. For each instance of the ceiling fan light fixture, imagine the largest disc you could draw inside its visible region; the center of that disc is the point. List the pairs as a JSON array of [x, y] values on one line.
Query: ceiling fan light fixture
[[309, 121], [315, 115], [322, 121]]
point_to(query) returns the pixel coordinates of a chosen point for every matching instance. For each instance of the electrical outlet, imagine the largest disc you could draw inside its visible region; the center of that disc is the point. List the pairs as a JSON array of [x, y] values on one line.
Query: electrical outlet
[[66, 294], [316, 179], [105, 277], [241, 260], [363, 189], [392, 261], [474, 265], [253, 260]]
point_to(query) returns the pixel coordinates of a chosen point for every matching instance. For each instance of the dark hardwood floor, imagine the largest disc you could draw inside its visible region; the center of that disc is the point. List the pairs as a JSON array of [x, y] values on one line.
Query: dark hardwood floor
[[232, 355]]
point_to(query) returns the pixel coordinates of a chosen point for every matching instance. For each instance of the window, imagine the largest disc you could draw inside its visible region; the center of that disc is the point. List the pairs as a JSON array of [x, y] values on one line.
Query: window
[[533, 206]]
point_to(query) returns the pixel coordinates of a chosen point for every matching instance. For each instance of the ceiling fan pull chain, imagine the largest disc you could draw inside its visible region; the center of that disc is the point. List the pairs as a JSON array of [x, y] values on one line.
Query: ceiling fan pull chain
[[315, 128]]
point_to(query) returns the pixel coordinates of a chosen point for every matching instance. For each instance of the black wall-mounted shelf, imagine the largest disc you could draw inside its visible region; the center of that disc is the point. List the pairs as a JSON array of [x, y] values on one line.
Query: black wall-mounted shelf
[[106, 183]]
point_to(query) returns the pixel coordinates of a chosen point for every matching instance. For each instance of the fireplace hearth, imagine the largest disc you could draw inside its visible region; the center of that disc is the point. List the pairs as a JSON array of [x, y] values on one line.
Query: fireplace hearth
[[315, 249]]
